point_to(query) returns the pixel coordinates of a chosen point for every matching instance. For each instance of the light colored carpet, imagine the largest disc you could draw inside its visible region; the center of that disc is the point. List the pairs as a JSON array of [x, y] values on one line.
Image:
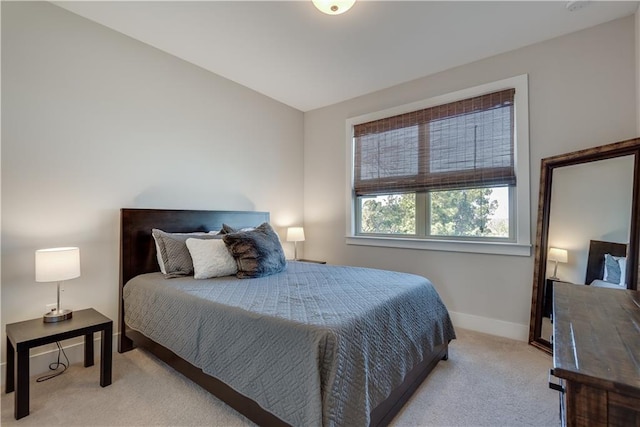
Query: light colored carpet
[[487, 381]]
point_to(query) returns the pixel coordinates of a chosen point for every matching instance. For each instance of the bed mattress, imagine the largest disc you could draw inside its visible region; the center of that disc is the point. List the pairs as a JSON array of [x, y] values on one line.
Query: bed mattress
[[314, 345]]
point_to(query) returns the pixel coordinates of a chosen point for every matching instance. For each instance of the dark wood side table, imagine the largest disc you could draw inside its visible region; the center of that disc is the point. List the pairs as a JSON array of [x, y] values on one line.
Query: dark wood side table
[[23, 336], [548, 299]]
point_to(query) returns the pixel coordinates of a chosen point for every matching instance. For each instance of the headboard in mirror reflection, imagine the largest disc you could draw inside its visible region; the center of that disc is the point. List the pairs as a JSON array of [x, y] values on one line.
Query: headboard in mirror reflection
[[587, 195]]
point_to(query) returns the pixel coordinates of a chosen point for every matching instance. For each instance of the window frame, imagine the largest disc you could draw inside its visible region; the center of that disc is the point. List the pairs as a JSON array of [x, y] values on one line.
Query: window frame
[[521, 218]]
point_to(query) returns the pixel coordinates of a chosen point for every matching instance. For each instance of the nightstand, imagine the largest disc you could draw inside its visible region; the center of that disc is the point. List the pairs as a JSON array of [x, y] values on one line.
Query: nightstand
[[311, 260], [548, 299], [547, 307], [23, 336]]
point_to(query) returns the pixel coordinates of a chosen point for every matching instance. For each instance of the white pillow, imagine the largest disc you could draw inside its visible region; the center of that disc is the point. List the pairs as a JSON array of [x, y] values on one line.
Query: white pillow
[[211, 258]]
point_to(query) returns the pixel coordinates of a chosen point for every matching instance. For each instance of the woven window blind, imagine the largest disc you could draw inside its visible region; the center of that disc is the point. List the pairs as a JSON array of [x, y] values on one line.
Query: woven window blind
[[460, 145]]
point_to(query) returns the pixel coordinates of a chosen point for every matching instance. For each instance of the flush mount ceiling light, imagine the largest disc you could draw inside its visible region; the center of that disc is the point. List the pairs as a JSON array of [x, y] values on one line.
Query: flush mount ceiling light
[[574, 5], [333, 7]]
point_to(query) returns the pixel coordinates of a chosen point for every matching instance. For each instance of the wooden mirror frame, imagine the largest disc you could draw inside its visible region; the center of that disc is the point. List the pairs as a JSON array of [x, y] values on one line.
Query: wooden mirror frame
[[548, 165]]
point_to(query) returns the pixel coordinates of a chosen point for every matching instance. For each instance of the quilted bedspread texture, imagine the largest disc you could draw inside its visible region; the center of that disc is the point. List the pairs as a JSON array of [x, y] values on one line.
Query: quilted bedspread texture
[[314, 345]]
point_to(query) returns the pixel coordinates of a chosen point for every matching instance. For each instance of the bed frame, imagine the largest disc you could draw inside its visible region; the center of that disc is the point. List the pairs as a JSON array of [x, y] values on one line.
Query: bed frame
[[138, 256], [595, 261]]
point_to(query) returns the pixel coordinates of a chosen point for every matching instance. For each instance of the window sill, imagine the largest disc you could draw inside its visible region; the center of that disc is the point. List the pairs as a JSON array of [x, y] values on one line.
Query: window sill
[[495, 248]]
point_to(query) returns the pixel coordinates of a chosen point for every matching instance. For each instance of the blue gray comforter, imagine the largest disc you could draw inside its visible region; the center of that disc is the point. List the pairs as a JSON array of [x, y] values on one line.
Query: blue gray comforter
[[314, 345]]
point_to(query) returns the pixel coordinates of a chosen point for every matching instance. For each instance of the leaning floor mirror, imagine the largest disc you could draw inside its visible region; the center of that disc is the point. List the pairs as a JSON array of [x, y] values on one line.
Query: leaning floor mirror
[[587, 231]]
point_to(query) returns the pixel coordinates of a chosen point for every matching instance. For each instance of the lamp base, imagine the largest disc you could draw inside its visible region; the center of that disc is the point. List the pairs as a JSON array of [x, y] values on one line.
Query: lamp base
[[57, 315]]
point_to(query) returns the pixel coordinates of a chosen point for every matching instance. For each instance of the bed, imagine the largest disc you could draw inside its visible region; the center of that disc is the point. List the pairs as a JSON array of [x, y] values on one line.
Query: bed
[[595, 275], [313, 345]]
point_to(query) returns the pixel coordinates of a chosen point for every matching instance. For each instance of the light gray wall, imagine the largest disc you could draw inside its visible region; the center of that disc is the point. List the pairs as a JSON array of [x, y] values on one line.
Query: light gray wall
[[94, 121], [580, 95]]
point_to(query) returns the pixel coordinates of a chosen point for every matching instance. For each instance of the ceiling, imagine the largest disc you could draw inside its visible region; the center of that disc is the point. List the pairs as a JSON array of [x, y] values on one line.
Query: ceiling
[[293, 53]]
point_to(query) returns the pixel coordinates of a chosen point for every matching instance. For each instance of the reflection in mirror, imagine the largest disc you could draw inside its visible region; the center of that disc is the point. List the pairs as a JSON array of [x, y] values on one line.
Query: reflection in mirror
[[587, 233], [590, 201]]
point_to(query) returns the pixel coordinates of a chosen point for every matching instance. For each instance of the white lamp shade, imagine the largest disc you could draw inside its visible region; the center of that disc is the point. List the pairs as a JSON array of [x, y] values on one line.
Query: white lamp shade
[[295, 234], [559, 255], [333, 7], [57, 264]]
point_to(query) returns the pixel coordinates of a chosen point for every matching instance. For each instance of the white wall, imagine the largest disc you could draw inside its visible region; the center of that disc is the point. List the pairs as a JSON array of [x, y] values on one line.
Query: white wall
[[94, 121], [591, 201], [579, 97]]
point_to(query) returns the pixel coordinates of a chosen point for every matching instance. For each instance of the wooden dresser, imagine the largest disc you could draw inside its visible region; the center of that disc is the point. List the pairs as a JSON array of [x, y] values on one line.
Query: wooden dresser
[[596, 354]]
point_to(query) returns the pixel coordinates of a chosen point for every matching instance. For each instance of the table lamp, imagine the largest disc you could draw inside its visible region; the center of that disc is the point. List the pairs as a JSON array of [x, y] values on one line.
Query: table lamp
[[557, 255], [56, 265], [295, 235]]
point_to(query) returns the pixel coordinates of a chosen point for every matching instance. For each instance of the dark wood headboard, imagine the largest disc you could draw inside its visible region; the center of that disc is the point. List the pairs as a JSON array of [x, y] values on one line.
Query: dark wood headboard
[[595, 262], [138, 251]]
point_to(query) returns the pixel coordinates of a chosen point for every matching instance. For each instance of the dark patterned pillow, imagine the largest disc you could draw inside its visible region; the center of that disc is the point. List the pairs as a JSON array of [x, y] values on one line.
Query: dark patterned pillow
[[173, 255], [257, 252], [227, 229]]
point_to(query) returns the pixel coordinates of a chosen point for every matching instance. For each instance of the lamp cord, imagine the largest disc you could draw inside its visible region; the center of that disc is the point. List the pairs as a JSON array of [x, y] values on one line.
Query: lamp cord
[[54, 366]]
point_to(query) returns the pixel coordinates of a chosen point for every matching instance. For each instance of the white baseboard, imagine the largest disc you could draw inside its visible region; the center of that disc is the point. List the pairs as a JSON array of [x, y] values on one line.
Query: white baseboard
[[39, 362], [490, 326]]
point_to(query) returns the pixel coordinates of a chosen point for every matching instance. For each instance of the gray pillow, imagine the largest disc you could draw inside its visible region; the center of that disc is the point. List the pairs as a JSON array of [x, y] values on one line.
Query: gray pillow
[[257, 252], [612, 267], [173, 255]]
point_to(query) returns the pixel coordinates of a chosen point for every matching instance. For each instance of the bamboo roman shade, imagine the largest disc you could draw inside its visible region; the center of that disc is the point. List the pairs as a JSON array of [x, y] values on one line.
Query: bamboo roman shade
[[460, 145]]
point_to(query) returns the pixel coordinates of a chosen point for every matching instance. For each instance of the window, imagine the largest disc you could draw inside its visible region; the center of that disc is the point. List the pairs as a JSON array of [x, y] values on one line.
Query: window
[[450, 172]]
